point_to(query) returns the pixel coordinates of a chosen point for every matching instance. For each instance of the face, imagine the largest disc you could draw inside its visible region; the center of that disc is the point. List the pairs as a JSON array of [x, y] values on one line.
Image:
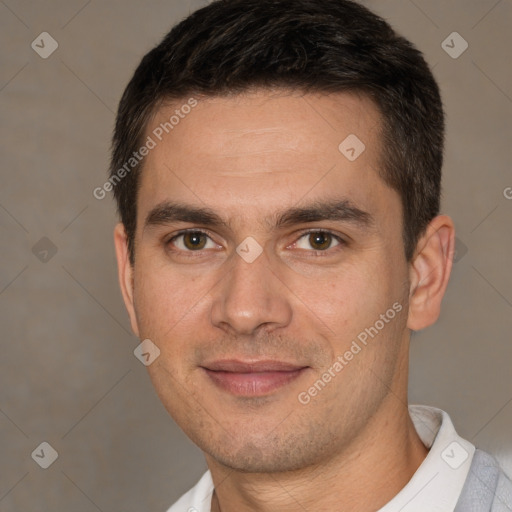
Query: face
[[265, 253]]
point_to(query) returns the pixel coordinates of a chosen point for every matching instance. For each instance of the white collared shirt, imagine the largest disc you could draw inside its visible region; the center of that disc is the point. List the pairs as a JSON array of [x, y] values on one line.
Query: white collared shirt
[[434, 487]]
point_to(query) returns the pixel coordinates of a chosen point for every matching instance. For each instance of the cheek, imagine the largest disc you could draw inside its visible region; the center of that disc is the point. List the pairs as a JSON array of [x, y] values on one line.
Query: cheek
[[343, 299], [166, 301]]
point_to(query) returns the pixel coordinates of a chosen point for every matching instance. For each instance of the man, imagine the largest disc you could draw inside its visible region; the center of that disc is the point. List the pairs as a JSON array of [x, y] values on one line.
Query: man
[[277, 166]]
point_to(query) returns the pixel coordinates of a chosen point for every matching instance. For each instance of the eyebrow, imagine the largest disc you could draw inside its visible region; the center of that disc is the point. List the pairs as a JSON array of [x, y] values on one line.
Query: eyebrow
[[342, 210]]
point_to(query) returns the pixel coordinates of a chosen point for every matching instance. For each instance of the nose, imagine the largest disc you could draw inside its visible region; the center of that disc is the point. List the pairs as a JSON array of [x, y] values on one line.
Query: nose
[[250, 295]]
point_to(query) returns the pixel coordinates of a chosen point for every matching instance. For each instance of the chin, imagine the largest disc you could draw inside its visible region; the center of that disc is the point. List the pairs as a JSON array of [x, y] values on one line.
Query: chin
[[251, 458]]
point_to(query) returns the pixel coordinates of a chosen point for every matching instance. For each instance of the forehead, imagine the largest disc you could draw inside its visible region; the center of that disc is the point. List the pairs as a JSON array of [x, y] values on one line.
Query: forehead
[[264, 149]]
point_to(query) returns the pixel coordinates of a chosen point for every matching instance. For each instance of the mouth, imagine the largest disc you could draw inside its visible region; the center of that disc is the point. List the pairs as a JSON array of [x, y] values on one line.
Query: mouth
[[254, 378]]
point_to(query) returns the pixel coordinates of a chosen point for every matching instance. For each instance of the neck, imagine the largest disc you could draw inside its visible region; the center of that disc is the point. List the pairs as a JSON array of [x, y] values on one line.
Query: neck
[[362, 478]]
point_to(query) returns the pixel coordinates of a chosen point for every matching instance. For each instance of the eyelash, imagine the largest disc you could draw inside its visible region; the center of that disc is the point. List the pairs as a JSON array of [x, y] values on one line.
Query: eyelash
[[317, 252]]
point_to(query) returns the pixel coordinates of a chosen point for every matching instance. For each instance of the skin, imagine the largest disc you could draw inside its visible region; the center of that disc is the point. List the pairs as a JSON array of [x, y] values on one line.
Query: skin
[[248, 157]]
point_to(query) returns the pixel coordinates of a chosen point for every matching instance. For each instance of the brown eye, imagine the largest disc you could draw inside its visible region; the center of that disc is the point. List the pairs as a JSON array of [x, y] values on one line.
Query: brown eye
[[318, 241], [194, 240], [191, 241]]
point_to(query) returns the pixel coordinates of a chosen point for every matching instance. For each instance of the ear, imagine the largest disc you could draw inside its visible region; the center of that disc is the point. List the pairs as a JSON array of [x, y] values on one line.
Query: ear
[[430, 271], [125, 273]]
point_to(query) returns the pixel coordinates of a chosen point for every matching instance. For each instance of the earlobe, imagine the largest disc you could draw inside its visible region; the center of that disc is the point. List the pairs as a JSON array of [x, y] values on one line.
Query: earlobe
[[125, 273], [430, 272]]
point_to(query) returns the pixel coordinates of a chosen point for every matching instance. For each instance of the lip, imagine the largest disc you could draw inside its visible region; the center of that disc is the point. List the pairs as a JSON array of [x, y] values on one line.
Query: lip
[[252, 378]]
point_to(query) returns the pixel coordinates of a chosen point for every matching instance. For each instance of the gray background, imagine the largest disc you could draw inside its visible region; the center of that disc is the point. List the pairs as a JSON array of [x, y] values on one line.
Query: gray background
[[68, 373]]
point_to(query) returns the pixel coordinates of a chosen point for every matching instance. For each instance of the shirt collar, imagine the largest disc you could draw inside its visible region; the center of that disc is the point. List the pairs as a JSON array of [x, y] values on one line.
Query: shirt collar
[[437, 483]]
